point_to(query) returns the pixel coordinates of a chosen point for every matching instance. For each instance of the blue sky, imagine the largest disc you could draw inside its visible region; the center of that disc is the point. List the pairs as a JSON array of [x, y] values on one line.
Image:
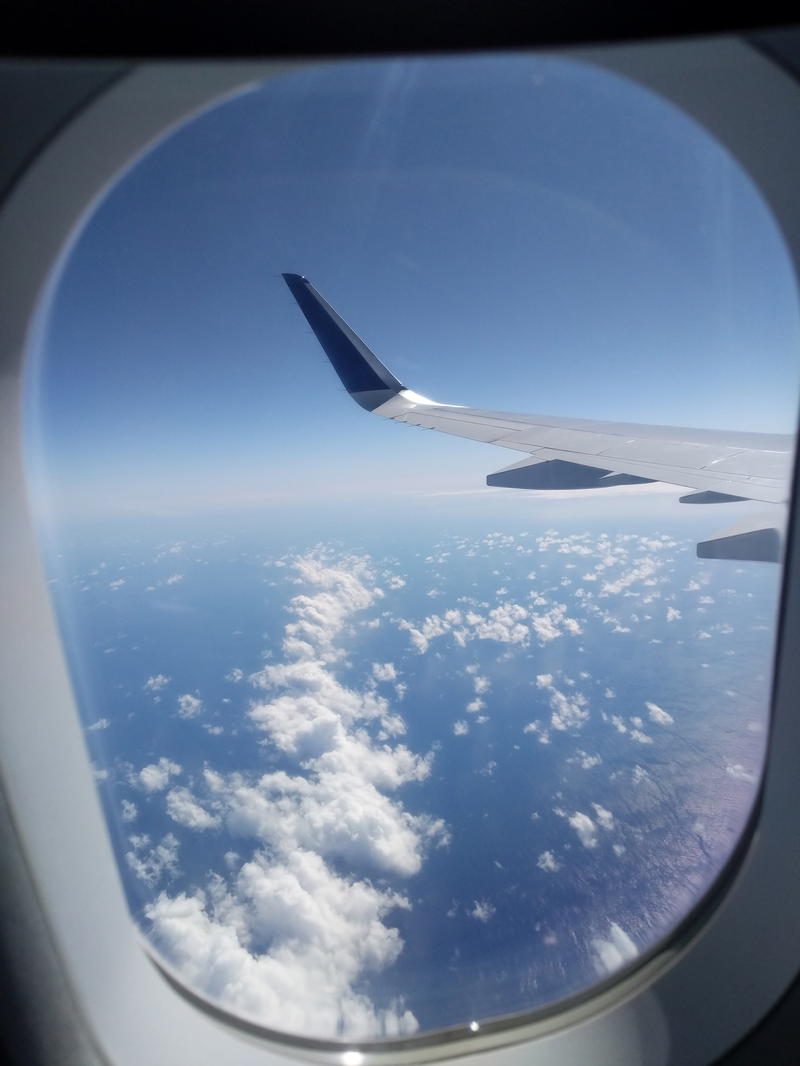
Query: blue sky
[[523, 233]]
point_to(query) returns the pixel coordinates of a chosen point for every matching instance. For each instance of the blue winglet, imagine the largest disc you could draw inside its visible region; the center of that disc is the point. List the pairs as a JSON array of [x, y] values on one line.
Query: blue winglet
[[363, 375]]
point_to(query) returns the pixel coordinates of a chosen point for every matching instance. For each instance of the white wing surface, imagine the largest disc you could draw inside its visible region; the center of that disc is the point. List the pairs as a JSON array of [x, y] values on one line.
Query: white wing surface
[[568, 453]]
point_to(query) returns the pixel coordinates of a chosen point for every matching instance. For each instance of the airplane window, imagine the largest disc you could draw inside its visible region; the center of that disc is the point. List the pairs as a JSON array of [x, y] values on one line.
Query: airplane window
[[385, 749]]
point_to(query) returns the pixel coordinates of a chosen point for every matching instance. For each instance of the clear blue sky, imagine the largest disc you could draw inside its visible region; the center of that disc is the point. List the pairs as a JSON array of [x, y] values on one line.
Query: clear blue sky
[[522, 233]]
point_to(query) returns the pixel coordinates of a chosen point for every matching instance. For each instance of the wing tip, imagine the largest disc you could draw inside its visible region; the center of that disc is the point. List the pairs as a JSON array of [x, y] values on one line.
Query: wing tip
[[365, 377]]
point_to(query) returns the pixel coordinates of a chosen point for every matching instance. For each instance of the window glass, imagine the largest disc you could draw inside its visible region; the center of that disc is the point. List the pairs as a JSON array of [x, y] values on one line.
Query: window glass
[[384, 750]]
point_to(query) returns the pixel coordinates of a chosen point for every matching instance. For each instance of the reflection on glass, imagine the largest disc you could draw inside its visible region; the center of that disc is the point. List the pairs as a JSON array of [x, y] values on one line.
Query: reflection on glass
[[382, 750]]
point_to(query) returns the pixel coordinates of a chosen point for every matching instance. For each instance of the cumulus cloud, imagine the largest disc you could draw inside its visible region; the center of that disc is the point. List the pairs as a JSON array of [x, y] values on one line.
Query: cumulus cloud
[[569, 711], [150, 864], [384, 672], [642, 571], [585, 828], [554, 623], [658, 714], [460, 728], [324, 931], [673, 614], [156, 683], [184, 809], [504, 624], [584, 759], [289, 938], [336, 814], [739, 773], [614, 951], [483, 910], [101, 723], [129, 811], [189, 706], [548, 862], [605, 819], [156, 776]]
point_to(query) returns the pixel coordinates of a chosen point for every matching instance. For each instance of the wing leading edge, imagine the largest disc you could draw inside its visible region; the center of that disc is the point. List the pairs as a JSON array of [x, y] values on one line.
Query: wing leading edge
[[567, 453]]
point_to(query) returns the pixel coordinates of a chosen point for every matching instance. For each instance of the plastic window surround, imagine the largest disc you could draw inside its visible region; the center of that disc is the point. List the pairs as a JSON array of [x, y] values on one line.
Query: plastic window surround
[[689, 1003]]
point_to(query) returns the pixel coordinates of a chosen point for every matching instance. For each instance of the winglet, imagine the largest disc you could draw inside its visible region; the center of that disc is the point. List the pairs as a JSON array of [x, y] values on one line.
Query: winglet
[[363, 375]]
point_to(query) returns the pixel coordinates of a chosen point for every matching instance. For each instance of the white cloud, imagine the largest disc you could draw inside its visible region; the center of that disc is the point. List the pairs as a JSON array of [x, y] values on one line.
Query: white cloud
[[316, 717], [460, 728], [156, 683], [335, 814], [554, 623], [129, 811], [585, 828], [548, 862], [151, 864], [673, 614], [739, 773], [658, 714], [613, 952], [503, 624], [384, 672], [482, 685], [288, 939], [642, 571], [173, 579], [156, 776], [324, 933], [101, 723], [184, 809], [584, 759], [189, 706], [540, 731], [605, 819], [569, 712], [474, 706], [483, 910]]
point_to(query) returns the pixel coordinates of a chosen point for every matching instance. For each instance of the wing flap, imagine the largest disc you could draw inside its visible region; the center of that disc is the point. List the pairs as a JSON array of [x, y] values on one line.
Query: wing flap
[[763, 489]]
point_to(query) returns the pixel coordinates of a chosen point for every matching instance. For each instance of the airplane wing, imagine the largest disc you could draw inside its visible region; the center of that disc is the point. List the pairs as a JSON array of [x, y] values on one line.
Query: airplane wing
[[569, 453]]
